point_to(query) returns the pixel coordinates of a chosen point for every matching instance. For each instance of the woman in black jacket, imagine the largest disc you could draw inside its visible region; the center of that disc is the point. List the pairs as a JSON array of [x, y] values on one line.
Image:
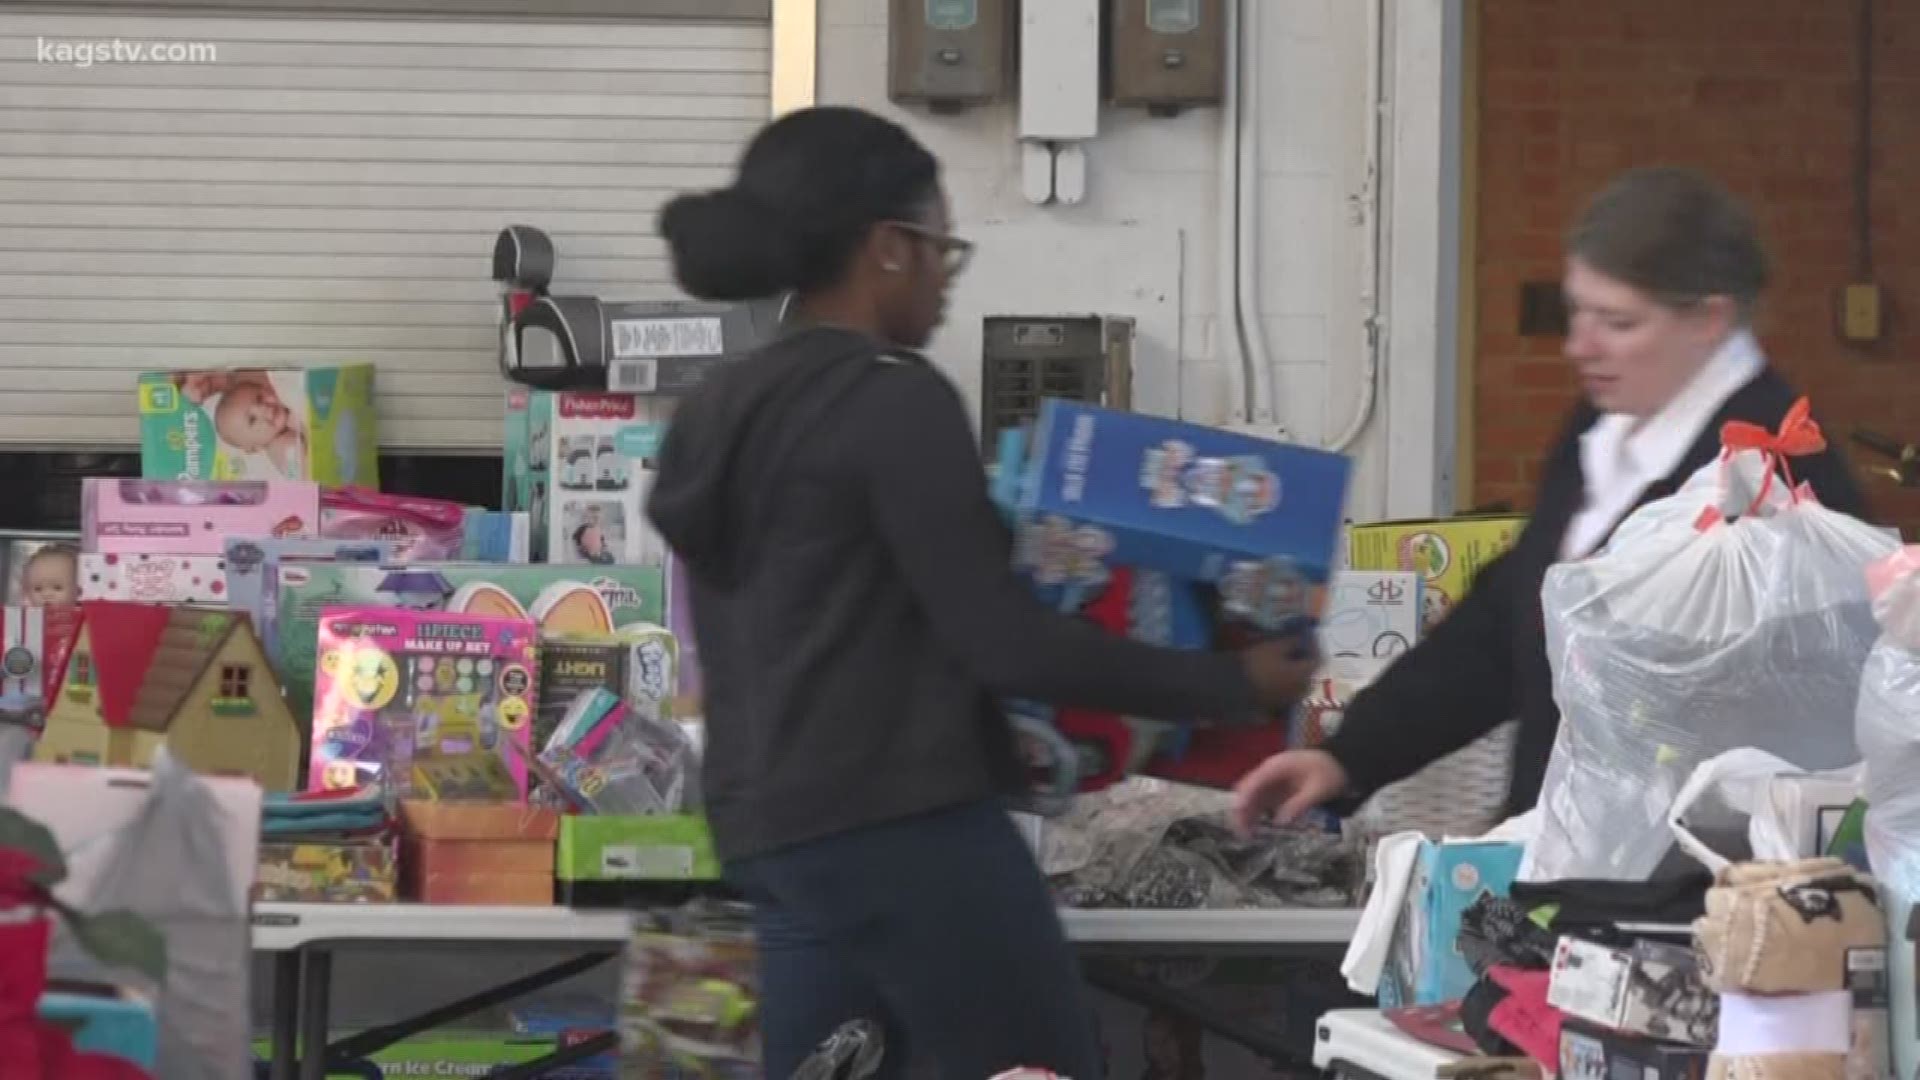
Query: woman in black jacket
[[858, 617], [1663, 272]]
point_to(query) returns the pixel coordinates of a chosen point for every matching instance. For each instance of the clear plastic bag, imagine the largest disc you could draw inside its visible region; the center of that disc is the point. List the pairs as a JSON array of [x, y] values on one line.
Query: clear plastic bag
[[1887, 726], [1149, 845], [1733, 614]]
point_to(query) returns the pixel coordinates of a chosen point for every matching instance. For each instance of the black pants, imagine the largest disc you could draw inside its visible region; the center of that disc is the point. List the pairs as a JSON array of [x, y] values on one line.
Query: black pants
[[939, 927]]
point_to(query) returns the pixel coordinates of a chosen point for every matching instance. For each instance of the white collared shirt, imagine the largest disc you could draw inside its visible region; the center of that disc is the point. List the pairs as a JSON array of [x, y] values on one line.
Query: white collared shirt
[[1620, 457]]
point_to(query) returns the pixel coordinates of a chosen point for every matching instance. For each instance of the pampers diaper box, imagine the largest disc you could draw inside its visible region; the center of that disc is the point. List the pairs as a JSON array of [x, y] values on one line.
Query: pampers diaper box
[[580, 463], [261, 424]]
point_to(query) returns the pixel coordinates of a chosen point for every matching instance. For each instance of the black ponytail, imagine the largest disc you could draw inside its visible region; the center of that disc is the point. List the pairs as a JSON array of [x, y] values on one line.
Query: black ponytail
[[810, 187]]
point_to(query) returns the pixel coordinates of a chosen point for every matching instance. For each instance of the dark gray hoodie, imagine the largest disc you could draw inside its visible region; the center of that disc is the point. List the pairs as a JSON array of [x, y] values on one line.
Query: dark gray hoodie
[[857, 615]]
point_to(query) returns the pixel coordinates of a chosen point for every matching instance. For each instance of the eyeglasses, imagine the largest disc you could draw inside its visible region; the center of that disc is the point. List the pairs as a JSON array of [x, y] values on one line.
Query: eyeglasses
[[955, 253]]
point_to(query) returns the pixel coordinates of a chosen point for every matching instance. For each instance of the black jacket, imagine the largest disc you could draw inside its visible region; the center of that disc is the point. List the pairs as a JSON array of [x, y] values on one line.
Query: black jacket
[[855, 604], [1486, 662]]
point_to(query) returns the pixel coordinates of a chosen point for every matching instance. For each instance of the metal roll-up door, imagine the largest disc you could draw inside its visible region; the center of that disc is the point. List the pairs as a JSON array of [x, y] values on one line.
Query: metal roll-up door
[[247, 188]]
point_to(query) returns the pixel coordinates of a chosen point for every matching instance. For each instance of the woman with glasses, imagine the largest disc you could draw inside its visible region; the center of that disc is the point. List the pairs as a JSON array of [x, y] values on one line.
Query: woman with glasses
[[859, 621]]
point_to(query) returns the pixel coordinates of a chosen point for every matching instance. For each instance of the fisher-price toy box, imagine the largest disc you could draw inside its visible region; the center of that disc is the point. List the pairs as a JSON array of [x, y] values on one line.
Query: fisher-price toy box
[[167, 517], [261, 424], [1257, 518], [580, 463]]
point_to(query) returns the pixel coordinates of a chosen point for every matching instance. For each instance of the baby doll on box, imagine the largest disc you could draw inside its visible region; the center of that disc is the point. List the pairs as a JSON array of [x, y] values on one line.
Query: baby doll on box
[[261, 424]]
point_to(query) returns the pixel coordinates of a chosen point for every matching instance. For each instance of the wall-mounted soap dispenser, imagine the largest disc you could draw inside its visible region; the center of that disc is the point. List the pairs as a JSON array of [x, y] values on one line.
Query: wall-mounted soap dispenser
[[949, 54], [1168, 55]]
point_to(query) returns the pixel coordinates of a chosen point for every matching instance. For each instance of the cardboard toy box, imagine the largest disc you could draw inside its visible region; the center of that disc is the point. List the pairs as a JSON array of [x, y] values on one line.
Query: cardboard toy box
[[360, 872], [477, 853], [462, 1054], [155, 579], [1652, 990], [600, 850], [559, 599], [261, 424], [167, 517], [1168, 533], [1424, 965], [1371, 614], [640, 667], [1195, 502], [1591, 1052], [580, 463], [1447, 554]]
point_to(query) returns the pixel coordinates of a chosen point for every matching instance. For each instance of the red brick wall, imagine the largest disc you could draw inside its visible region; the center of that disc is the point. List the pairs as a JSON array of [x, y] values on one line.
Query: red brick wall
[[1760, 93]]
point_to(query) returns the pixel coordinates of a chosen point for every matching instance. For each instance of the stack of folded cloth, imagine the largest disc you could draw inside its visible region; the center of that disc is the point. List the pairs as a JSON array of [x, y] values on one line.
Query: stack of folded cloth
[[360, 815], [1797, 952]]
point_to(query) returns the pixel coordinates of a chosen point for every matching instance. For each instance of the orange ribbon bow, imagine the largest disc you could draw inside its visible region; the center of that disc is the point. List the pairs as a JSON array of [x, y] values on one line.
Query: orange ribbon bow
[[1798, 436]]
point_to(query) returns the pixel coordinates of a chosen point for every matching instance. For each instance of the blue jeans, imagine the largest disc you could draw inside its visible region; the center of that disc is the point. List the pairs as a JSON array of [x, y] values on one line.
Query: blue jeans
[[940, 928]]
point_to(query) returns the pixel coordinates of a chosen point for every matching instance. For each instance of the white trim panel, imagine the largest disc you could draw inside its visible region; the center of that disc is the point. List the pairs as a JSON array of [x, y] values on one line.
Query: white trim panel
[[1422, 253]]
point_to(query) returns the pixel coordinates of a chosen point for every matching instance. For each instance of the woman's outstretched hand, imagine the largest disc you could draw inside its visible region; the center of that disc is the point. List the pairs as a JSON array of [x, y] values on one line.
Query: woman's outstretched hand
[[1284, 787]]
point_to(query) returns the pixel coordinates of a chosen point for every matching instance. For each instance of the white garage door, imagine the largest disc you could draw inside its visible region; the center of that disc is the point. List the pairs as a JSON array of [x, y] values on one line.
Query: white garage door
[[257, 190]]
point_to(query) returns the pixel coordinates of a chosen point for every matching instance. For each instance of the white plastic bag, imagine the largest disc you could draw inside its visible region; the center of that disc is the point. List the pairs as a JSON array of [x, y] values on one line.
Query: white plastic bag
[[1733, 614], [1777, 804], [1887, 727], [178, 850]]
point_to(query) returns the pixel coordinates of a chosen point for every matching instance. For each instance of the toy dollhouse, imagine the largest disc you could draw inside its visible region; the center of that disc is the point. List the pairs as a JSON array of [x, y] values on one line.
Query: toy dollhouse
[[196, 679]]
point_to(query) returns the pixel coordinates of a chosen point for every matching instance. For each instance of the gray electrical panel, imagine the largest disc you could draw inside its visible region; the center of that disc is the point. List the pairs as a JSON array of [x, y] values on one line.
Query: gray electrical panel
[[1025, 359], [948, 54]]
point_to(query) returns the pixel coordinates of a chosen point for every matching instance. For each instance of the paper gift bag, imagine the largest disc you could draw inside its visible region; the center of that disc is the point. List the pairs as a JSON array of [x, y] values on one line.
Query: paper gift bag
[[179, 850]]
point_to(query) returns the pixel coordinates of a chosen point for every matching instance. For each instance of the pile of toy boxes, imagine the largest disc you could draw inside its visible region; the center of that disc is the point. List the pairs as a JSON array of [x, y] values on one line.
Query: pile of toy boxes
[[433, 715]]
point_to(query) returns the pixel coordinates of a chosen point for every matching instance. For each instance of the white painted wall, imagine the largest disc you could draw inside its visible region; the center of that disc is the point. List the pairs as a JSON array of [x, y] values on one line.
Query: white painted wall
[[1152, 198]]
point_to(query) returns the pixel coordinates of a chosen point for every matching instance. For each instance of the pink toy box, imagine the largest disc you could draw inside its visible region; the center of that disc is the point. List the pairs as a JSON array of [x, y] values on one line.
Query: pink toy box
[[421, 530], [154, 579], [173, 517], [438, 705]]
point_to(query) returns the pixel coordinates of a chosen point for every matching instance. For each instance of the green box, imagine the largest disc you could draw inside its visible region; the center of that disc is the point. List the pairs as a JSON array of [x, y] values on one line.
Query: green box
[[261, 424], [661, 847], [561, 599], [459, 1054]]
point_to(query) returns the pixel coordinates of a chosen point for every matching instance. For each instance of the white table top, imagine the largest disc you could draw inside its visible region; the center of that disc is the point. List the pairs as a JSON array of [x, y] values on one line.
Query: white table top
[[1366, 1039], [282, 927]]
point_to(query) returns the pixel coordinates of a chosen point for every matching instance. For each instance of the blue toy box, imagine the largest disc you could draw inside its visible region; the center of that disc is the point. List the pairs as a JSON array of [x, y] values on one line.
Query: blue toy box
[[1424, 965], [1172, 534], [121, 1026], [1258, 519]]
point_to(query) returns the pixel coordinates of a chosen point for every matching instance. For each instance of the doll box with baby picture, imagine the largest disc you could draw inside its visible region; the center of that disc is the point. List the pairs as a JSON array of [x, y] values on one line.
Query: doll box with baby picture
[[261, 424], [39, 567], [580, 463]]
